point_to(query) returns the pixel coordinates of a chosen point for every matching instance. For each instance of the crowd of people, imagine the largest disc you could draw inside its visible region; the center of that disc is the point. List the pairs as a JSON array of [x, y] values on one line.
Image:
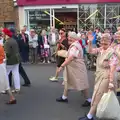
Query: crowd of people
[[36, 47], [70, 51], [106, 47]]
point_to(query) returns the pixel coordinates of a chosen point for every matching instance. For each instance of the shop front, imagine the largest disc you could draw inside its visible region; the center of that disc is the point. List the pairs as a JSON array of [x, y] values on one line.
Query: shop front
[[43, 16]]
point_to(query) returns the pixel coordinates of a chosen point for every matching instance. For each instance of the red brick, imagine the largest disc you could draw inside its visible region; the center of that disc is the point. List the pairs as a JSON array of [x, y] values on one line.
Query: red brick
[[8, 13]]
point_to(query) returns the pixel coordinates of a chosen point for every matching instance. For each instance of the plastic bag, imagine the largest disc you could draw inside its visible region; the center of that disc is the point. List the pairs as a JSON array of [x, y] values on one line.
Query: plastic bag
[[108, 107]]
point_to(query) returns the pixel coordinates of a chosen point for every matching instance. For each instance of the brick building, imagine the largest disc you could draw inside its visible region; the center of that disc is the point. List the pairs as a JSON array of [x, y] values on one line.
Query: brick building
[[8, 14]]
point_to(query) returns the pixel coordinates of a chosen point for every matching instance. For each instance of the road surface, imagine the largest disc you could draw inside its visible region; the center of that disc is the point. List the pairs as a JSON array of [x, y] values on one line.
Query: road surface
[[38, 102]]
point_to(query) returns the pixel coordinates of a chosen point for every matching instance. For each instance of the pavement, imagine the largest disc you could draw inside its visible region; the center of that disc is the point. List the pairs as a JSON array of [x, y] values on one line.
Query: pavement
[[38, 102]]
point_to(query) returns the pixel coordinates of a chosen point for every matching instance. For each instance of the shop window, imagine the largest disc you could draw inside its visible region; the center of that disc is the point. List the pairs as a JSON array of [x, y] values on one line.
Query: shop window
[[39, 19], [9, 24]]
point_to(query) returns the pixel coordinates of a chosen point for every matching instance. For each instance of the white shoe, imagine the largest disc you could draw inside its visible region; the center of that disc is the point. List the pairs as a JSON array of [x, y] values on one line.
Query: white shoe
[[63, 83], [44, 61], [3, 92], [48, 62]]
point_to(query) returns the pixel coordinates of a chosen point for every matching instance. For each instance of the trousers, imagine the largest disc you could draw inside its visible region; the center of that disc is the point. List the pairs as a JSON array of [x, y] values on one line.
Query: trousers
[[34, 54], [22, 73], [15, 71]]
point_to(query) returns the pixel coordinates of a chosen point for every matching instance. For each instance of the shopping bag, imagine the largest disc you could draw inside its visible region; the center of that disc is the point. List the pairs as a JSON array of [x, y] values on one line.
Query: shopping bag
[[46, 46], [108, 107], [62, 53]]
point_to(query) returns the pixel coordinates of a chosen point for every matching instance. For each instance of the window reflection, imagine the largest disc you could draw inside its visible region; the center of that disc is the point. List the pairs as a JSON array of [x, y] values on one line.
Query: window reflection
[[39, 19]]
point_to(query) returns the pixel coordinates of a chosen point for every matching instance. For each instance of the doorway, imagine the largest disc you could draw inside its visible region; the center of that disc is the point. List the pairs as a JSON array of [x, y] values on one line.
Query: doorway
[[68, 18]]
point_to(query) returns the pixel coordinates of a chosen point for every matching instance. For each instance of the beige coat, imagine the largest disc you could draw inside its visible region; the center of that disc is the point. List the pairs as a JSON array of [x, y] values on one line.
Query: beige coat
[[75, 73], [102, 77]]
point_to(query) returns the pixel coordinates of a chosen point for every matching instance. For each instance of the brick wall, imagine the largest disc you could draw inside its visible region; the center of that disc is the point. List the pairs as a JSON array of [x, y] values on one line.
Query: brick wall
[[8, 13]]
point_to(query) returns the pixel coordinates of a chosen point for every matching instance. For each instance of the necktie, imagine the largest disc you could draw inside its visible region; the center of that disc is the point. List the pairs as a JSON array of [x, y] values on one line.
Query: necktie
[[23, 36]]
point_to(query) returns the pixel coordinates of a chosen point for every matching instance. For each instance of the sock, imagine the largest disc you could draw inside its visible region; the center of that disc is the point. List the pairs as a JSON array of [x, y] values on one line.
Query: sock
[[89, 99], [64, 97], [89, 116]]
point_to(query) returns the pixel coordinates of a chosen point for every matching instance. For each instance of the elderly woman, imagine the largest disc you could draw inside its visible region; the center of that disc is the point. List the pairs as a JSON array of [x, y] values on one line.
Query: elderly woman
[[116, 46], [105, 71], [75, 73], [4, 84], [45, 46]]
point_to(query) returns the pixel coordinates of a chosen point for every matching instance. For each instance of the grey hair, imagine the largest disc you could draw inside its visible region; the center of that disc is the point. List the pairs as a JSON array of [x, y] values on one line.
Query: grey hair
[[106, 36], [73, 35]]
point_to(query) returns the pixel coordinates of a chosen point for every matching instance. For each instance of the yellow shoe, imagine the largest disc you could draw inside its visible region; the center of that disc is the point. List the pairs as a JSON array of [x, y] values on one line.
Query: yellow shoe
[[53, 79], [118, 90]]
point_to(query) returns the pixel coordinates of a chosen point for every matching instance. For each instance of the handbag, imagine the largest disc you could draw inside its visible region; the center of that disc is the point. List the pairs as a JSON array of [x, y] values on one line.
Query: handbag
[[62, 53], [108, 107]]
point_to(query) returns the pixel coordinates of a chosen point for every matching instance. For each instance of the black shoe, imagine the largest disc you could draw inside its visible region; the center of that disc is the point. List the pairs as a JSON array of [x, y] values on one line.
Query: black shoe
[[12, 102], [118, 93], [86, 104], [61, 100], [85, 118], [26, 85]]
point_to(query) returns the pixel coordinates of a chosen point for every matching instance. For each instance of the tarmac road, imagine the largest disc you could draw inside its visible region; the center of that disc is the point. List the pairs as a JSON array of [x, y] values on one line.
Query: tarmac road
[[38, 102]]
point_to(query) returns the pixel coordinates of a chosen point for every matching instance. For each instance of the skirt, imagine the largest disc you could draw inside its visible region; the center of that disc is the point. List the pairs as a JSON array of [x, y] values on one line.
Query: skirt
[[4, 84], [60, 61]]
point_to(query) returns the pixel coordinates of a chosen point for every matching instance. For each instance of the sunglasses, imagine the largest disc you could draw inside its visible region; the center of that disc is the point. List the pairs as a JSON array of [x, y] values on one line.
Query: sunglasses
[[61, 33]]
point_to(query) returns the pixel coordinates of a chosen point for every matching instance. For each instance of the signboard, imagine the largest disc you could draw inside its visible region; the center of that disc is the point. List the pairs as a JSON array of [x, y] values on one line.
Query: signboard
[[37, 15], [57, 2]]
